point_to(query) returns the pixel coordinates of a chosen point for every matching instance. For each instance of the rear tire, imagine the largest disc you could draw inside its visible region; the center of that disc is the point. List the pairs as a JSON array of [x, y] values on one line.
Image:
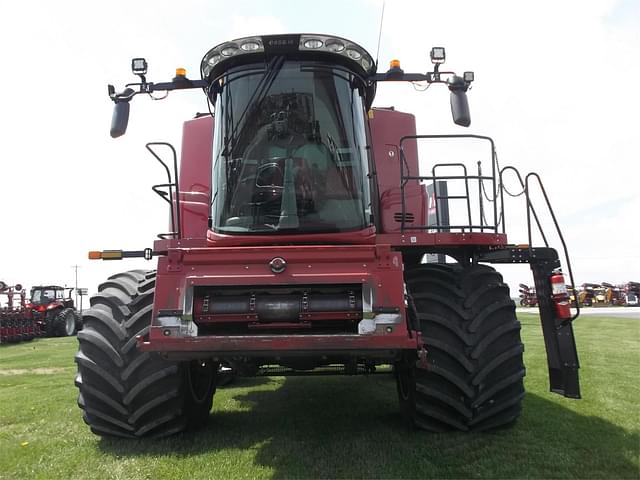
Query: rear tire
[[124, 392], [473, 378]]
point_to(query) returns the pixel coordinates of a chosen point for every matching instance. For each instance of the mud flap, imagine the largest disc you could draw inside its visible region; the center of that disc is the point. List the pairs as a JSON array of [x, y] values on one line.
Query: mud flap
[[562, 356]]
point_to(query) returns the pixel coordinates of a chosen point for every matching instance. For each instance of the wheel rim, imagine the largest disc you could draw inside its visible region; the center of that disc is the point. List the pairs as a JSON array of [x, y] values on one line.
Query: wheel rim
[[70, 325], [200, 377]]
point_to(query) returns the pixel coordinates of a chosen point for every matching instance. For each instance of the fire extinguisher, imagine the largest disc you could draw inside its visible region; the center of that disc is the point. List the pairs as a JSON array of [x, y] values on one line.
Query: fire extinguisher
[[560, 296]]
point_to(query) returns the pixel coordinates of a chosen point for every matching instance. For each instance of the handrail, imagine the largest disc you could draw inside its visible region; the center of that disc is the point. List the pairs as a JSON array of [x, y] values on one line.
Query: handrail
[[435, 178], [529, 205], [176, 231], [555, 222]]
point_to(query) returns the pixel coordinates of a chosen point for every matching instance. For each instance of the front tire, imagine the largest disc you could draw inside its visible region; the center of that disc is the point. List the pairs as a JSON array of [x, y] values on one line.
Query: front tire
[[124, 392], [473, 376]]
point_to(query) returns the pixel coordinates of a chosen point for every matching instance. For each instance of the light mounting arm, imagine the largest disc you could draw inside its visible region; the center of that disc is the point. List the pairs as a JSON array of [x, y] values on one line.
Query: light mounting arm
[[457, 85], [139, 66]]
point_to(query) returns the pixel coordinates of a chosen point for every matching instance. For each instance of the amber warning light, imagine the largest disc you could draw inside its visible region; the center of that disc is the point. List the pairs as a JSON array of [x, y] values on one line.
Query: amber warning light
[[106, 255], [147, 254]]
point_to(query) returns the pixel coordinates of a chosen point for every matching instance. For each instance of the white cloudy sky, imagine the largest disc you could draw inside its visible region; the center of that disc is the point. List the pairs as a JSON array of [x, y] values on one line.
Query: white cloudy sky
[[555, 86]]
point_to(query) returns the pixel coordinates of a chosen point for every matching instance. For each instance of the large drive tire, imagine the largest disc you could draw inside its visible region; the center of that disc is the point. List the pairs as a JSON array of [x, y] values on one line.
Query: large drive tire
[[78, 317], [64, 323], [50, 323], [128, 393], [473, 376]]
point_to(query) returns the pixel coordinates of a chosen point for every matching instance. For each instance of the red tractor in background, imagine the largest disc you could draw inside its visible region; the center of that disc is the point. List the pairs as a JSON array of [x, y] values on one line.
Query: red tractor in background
[[16, 321], [54, 311], [300, 229]]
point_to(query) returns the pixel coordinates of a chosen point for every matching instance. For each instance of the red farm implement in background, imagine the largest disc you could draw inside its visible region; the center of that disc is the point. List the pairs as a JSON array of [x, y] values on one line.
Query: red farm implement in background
[[528, 296], [306, 237], [16, 321]]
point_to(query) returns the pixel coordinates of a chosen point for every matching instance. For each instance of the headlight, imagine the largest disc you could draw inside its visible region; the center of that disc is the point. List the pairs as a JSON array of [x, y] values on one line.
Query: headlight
[[313, 43], [229, 50]]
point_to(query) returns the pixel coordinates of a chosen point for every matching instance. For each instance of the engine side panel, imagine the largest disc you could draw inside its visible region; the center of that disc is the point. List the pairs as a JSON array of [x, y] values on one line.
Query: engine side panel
[[195, 176], [387, 128]]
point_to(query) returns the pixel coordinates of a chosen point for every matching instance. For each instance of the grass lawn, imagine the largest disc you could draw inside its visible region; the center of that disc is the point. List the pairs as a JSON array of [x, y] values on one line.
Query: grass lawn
[[334, 427]]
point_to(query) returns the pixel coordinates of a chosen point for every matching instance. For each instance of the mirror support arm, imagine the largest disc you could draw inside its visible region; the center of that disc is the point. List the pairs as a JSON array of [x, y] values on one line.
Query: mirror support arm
[[120, 118], [458, 87]]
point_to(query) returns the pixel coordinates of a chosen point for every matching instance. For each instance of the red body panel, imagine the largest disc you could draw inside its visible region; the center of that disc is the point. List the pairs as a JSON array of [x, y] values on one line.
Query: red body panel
[[387, 128], [195, 176], [441, 239], [376, 268], [196, 158], [366, 236]]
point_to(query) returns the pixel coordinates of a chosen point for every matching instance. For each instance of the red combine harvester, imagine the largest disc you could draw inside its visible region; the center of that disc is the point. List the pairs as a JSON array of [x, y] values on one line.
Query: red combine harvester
[[300, 233], [16, 321]]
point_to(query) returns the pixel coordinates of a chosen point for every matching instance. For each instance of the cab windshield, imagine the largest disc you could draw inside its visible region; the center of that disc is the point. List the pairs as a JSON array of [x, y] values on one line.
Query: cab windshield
[[40, 296], [290, 150]]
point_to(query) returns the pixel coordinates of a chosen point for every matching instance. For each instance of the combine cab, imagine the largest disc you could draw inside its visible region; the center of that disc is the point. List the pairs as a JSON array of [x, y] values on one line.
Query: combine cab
[[302, 238], [54, 311]]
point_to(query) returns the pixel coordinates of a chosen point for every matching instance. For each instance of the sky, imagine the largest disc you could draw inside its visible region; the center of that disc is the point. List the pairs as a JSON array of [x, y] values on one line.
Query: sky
[[555, 88]]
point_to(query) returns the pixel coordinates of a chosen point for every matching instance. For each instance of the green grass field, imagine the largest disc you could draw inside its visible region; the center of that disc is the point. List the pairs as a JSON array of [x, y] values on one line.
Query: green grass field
[[334, 427]]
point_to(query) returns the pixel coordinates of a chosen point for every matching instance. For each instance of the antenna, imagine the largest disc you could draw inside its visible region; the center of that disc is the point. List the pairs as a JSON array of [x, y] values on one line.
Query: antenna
[[380, 34]]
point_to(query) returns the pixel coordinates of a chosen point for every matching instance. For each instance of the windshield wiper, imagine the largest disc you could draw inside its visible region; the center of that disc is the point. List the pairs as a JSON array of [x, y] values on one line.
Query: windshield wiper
[[265, 82], [270, 74]]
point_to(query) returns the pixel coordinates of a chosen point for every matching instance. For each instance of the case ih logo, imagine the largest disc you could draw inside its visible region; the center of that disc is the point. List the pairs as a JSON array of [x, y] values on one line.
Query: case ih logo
[[282, 42]]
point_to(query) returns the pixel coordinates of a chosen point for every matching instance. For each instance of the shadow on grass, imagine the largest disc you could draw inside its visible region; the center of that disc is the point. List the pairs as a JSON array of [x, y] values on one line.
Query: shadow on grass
[[350, 427]]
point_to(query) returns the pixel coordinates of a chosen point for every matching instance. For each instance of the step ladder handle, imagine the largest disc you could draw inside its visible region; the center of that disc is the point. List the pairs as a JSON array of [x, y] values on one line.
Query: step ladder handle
[[555, 222], [529, 206]]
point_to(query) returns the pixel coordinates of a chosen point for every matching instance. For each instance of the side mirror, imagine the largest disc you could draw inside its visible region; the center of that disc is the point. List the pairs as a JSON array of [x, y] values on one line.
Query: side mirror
[[120, 119], [459, 102]]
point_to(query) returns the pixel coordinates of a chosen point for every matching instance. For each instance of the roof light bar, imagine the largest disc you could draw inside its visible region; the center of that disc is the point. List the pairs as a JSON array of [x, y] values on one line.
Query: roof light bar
[[306, 42]]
